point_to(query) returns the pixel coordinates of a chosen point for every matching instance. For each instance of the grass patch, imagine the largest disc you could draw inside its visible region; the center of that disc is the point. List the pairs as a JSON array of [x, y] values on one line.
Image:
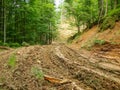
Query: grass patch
[[37, 73], [99, 42], [12, 61], [89, 44]]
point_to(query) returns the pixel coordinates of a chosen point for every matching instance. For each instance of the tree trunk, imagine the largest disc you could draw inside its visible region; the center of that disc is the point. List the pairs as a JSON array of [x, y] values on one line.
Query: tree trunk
[[78, 28], [4, 22], [111, 4], [106, 10], [115, 4], [101, 10]]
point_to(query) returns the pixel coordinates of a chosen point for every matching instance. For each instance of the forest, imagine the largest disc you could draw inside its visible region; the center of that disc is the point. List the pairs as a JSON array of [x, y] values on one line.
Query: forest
[[31, 21], [35, 22]]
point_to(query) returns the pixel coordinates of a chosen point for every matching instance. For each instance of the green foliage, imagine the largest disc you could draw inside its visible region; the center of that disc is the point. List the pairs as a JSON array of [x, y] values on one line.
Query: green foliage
[[32, 21], [25, 44], [84, 12], [14, 45], [115, 13], [6, 44], [109, 22], [37, 73], [1, 43], [75, 36], [94, 41], [99, 42], [110, 19], [12, 61]]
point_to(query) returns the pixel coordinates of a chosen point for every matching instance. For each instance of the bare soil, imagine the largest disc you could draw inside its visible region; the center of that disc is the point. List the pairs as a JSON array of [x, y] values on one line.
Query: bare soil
[[79, 69]]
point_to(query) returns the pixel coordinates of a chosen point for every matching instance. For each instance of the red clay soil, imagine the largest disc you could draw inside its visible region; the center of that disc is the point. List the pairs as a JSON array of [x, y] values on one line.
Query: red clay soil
[[109, 35]]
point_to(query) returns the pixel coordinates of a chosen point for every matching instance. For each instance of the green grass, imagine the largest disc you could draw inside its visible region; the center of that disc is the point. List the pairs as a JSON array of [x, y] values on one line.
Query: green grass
[[99, 42], [89, 44], [37, 73], [12, 61]]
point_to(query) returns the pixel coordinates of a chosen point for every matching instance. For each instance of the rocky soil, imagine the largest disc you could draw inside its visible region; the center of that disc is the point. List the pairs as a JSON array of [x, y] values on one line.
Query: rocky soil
[[59, 67]]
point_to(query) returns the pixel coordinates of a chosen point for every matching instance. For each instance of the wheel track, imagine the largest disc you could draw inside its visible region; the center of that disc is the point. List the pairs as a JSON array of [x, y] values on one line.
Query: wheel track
[[90, 67]]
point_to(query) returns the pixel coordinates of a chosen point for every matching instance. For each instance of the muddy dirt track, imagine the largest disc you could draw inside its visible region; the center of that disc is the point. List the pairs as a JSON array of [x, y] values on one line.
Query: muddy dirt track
[[69, 69]]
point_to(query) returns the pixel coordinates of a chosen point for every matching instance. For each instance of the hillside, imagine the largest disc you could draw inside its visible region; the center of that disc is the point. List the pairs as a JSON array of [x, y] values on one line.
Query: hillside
[[88, 37], [103, 44]]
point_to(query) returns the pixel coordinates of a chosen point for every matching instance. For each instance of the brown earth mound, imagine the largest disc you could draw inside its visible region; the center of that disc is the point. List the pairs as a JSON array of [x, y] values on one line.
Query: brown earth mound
[[55, 67]]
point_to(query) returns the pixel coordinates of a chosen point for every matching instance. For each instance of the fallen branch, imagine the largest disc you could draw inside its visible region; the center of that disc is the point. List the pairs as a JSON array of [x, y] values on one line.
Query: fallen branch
[[56, 80]]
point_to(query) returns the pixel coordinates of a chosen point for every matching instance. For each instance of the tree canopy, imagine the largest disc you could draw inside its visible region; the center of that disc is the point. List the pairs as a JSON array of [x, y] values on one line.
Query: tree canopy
[[32, 21], [91, 12]]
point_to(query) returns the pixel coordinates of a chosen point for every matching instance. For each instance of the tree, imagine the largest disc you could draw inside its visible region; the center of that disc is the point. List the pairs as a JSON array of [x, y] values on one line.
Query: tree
[[3, 20], [31, 21], [91, 12]]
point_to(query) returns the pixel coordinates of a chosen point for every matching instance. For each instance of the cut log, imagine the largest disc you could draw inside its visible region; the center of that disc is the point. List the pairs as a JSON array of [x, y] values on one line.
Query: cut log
[[56, 80]]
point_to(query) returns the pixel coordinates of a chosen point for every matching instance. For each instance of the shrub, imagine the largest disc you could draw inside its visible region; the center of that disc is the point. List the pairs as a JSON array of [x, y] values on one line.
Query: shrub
[[109, 22], [1, 43], [110, 19], [25, 44], [14, 45], [89, 44], [37, 73], [99, 42], [6, 44]]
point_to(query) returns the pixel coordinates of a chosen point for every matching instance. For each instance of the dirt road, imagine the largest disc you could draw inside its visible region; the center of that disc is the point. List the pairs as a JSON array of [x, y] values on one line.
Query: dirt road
[[78, 69]]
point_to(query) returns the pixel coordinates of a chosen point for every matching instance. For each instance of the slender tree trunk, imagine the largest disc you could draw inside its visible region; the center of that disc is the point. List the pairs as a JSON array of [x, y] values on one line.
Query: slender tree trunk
[[24, 16], [106, 10], [4, 22], [115, 4], [1, 19], [101, 10], [78, 28], [111, 4]]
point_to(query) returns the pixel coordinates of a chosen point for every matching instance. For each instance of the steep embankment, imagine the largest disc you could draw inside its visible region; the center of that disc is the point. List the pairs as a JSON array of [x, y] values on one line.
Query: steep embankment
[[88, 37]]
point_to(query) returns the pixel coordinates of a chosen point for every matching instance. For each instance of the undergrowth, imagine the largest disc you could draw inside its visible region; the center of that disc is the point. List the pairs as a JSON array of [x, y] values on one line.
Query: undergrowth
[[37, 73], [12, 61], [72, 38], [110, 19], [89, 44]]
